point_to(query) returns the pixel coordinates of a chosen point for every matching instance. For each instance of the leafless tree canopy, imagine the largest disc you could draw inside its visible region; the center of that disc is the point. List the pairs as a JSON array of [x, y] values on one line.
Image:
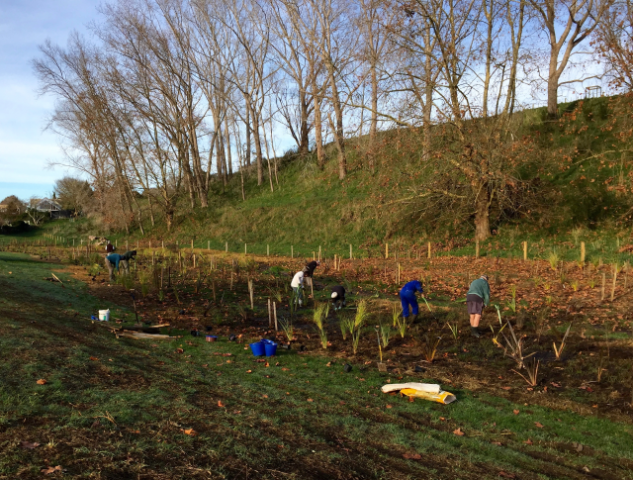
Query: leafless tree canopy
[[174, 95]]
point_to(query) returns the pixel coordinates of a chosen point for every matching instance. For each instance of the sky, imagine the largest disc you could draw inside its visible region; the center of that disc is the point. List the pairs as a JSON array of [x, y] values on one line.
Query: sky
[[26, 148]]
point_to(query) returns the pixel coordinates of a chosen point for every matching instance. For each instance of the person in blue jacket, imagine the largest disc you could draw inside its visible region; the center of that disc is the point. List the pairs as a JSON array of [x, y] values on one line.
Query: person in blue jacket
[[408, 299], [114, 259]]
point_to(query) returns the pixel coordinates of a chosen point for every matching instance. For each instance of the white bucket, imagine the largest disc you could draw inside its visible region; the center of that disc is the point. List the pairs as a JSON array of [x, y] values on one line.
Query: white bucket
[[104, 315]]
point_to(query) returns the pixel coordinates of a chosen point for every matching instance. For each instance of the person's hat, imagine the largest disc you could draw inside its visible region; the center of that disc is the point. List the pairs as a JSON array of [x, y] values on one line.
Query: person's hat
[[485, 277]]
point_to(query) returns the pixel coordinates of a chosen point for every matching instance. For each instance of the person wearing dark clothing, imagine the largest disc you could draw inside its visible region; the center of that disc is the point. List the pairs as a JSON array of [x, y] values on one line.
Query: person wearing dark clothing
[[338, 297], [309, 269], [408, 299], [110, 248], [477, 298]]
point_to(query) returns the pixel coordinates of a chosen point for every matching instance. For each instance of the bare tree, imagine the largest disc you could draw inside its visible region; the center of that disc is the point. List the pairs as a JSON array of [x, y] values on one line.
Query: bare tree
[[566, 23]]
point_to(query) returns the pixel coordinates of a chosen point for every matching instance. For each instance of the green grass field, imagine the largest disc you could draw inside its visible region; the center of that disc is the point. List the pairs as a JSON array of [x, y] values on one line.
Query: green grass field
[[186, 409]]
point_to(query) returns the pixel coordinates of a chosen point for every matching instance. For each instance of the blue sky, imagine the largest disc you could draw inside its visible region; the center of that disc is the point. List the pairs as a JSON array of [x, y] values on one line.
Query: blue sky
[[26, 150]]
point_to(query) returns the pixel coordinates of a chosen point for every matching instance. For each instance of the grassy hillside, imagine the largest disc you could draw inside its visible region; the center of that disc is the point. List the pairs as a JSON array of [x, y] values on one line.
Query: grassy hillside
[[311, 208]]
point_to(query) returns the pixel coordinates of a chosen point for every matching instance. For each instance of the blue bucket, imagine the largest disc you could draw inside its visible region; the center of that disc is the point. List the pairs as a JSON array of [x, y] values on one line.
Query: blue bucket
[[271, 348], [258, 349]]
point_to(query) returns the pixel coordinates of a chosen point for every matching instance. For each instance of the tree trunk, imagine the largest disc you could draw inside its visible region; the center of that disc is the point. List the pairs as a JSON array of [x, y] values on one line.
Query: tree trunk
[[482, 214], [318, 125], [552, 94], [338, 128], [258, 150], [374, 118], [304, 133], [247, 157]]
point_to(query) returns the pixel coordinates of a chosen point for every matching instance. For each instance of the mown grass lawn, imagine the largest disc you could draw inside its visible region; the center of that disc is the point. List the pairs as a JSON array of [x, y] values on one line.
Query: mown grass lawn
[[128, 409]]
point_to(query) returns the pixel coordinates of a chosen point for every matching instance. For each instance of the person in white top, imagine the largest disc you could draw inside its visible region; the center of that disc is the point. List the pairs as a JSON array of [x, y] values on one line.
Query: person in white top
[[297, 287]]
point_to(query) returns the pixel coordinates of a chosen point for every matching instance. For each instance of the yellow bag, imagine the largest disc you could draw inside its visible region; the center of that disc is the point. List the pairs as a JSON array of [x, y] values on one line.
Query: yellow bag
[[442, 397]]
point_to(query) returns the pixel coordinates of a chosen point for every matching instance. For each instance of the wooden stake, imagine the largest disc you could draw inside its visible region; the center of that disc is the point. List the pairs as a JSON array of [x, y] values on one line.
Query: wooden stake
[[192, 244], [208, 244], [386, 250], [525, 250], [615, 278], [194, 260], [604, 280], [275, 315], [226, 247], [582, 252], [312, 291], [313, 255], [267, 250], [429, 249], [477, 249], [292, 252], [319, 253], [245, 250], [250, 288], [351, 253], [270, 315]]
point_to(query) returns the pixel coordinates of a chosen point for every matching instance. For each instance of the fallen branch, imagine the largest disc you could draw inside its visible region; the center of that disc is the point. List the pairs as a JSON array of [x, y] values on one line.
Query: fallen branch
[[145, 336]]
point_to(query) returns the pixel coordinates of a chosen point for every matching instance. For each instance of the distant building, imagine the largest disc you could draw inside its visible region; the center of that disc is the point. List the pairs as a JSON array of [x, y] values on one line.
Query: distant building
[[45, 205]]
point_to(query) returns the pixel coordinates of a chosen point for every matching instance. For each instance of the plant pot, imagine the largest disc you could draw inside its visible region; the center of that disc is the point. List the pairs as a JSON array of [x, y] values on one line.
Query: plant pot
[[258, 349], [270, 348], [211, 338], [347, 368]]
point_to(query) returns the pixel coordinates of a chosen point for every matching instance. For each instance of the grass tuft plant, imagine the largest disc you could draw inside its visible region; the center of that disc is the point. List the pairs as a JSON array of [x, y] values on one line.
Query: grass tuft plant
[[558, 351], [429, 348], [531, 371]]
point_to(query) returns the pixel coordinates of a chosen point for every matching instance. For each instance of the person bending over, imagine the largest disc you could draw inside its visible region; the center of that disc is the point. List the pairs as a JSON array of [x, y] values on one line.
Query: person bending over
[[408, 299], [477, 298], [338, 297], [297, 288]]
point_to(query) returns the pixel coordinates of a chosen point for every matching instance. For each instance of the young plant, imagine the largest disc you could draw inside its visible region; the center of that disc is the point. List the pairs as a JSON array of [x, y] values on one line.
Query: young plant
[[558, 351], [532, 373], [362, 313], [574, 285], [288, 329], [495, 336], [453, 329], [347, 325], [553, 258], [385, 335], [514, 348], [429, 348], [512, 305], [321, 313], [498, 314], [356, 331], [395, 315]]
